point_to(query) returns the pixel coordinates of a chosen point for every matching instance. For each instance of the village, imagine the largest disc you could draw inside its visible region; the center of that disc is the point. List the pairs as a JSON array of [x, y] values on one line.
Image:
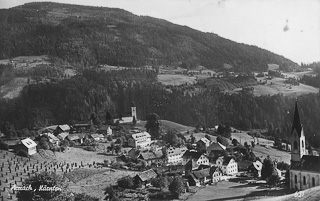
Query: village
[[134, 159]]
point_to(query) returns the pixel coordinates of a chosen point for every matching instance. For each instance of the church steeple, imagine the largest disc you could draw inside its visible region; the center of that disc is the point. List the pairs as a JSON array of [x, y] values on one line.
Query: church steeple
[[298, 140], [296, 121]]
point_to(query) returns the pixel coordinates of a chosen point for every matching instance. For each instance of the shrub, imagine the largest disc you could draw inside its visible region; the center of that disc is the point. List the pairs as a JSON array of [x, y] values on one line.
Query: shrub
[[4, 146], [88, 148], [22, 153], [126, 182]]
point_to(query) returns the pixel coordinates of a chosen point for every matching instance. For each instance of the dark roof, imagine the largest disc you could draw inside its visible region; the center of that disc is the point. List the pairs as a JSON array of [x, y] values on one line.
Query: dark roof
[[147, 175], [134, 153], [310, 163], [192, 154], [199, 174], [226, 160], [296, 125], [191, 164], [151, 155]]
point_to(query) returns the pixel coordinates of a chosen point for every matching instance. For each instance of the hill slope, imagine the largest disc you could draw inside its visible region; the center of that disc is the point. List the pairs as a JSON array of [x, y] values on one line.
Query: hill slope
[[95, 35]]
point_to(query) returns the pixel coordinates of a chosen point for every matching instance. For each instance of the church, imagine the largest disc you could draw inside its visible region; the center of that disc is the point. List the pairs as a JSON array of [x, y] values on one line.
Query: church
[[305, 169]]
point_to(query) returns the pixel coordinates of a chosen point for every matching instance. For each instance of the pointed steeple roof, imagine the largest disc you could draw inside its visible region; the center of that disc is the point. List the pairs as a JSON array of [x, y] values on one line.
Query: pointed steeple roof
[[296, 121]]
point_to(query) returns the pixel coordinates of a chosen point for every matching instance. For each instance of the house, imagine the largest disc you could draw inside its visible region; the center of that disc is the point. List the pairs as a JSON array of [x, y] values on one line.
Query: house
[[197, 157], [79, 128], [254, 170], [146, 176], [204, 175], [97, 137], [62, 136], [152, 157], [227, 164], [140, 140], [73, 137], [105, 129], [304, 171], [62, 129], [216, 149], [27, 145], [203, 144], [11, 143], [53, 139], [174, 155]]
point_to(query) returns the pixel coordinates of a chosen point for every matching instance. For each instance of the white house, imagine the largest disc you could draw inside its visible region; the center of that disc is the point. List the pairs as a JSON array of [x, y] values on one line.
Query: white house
[[29, 146], [140, 140], [174, 155], [53, 139], [228, 165]]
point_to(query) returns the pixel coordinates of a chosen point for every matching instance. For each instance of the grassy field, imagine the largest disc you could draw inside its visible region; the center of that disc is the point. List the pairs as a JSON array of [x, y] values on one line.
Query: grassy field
[[277, 85], [172, 79], [13, 88], [312, 194], [226, 190], [27, 62]]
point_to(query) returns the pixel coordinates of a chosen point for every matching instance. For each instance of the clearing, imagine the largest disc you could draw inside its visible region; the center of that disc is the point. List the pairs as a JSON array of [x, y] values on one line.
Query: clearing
[[13, 88], [225, 190], [179, 79]]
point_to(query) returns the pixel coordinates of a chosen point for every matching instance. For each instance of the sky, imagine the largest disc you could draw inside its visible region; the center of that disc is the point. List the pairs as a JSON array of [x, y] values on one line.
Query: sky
[[290, 28]]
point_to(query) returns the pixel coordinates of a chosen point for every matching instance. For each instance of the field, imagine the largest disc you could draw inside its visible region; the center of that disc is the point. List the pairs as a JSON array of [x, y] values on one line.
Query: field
[[179, 79], [277, 85], [27, 62], [227, 190], [13, 88]]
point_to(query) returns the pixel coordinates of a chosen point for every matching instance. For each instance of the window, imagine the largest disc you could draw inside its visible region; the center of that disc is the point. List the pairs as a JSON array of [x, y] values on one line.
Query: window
[[295, 145], [304, 180], [302, 144], [313, 182], [295, 179]]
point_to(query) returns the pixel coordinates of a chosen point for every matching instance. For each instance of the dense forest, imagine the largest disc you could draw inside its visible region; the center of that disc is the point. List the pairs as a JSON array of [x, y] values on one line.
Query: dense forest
[[95, 35], [99, 93]]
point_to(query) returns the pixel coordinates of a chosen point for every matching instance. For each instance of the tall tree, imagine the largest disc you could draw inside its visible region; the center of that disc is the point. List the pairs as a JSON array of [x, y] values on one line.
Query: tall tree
[[153, 125]]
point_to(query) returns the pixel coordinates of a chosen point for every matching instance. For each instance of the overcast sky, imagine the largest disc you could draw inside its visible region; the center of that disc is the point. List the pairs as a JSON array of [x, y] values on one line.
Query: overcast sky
[[287, 27]]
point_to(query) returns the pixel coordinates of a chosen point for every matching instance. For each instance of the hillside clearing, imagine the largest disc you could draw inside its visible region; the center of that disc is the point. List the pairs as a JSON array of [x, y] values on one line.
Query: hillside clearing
[[13, 88], [171, 79]]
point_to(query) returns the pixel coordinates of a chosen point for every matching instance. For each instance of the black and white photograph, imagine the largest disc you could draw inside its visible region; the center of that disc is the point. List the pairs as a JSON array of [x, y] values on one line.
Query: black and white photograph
[[159, 100]]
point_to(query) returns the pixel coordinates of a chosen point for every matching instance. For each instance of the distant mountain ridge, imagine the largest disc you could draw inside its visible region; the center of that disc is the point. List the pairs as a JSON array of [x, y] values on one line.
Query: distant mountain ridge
[[95, 35]]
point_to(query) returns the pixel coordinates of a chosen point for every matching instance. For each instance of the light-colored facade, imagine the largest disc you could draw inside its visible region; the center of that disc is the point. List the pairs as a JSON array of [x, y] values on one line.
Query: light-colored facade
[[228, 165], [30, 146], [174, 155], [140, 140]]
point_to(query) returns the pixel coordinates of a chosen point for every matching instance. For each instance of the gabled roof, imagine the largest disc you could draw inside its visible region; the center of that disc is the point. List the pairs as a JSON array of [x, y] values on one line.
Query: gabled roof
[[53, 137], [226, 160], [73, 137], [147, 175], [199, 174], [151, 155], [216, 146], [310, 163], [97, 135], [205, 141], [136, 136], [191, 164], [28, 143], [63, 135], [192, 154], [296, 125], [64, 127]]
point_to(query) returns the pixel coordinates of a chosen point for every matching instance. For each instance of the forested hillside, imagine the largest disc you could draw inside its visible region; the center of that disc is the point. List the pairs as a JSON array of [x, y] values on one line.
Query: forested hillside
[[95, 35], [77, 98]]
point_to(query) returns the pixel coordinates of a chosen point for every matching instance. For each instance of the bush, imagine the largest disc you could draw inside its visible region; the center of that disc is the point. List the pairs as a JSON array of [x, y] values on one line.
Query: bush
[[4, 146], [22, 153], [89, 148], [72, 143], [126, 182]]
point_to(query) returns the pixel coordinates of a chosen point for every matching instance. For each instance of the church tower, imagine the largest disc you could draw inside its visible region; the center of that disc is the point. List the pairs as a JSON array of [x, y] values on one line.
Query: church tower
[[298, 139], [133, 111]]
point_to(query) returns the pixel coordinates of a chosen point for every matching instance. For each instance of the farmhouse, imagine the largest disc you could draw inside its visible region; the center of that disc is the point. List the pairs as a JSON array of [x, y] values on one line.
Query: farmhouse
[[27, 145], [174, 155], [228, 165], [150, 157], [140, 140], [305, 169], [198, 157], [216, 149], [105, 129], [146, 176], [203, 144], [53, 139], [62, 129], [204, 175], [97, 137]]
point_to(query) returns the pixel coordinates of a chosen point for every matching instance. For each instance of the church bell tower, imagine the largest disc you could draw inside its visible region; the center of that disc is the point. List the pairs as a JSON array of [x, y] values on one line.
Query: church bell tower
[[298, 139]]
